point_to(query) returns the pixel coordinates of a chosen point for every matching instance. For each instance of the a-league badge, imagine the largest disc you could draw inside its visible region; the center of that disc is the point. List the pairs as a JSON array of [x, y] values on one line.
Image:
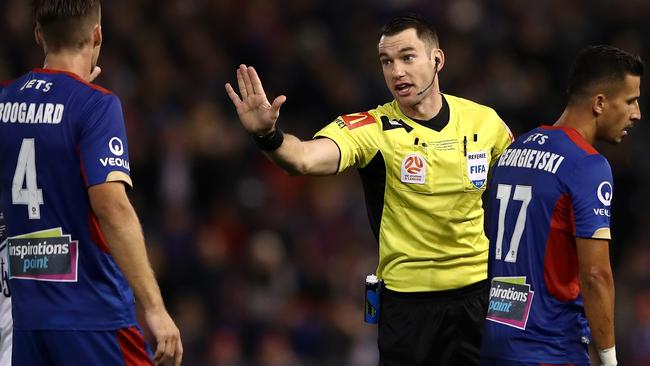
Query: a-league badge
[[477, 168], [414, 169]]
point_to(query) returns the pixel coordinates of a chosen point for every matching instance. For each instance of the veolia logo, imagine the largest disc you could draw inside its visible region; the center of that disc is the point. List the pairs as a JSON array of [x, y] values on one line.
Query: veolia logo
[[605, 193], [116, 146]]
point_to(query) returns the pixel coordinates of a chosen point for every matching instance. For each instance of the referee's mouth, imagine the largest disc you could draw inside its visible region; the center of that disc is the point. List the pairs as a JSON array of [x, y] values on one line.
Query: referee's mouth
[[403, 89]]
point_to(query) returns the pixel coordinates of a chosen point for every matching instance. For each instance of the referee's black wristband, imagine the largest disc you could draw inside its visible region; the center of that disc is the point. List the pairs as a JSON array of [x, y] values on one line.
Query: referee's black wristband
[[271, 141]]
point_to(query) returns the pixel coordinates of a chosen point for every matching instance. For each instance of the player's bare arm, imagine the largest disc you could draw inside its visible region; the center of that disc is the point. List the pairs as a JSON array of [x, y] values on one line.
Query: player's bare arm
[[123, 233], [259, 117], [597, 286]]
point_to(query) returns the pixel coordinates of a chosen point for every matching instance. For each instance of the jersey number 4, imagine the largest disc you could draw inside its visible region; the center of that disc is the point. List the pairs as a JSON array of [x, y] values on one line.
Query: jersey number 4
[[523, 194], [31, 195]]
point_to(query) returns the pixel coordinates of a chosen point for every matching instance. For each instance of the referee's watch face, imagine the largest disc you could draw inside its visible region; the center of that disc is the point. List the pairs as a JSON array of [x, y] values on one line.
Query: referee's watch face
[[408, 66]]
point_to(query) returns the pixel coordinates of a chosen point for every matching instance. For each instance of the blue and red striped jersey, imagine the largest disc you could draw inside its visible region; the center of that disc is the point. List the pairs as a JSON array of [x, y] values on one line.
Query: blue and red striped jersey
[[549, 187], [58, 136]]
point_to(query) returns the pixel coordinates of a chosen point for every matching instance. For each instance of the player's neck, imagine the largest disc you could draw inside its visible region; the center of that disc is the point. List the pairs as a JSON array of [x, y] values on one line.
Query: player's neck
[[79, 63], [425, 109], [579, 121]]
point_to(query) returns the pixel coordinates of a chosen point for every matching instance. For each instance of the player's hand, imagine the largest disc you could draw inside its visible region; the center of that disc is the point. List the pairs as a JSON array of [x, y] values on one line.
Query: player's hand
[[169, 349], [255, 112], [94, 74]]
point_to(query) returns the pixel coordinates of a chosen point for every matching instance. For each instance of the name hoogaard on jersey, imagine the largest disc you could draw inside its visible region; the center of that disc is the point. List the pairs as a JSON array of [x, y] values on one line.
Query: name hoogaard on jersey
[[45, 113]]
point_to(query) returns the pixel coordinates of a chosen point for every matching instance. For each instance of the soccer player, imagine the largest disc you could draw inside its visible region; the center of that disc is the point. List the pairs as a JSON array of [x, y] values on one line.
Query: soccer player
[[552, 290], [76, 251], [424, 160]]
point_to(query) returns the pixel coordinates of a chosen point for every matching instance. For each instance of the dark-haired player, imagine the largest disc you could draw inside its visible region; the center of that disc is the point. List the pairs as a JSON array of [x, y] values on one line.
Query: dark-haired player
[[76, 251], [550, 204]]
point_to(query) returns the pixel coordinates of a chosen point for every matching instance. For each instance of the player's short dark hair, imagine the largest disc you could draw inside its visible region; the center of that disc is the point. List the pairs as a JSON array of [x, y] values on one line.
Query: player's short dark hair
[[63, 23], [424, 30], [601, 65]]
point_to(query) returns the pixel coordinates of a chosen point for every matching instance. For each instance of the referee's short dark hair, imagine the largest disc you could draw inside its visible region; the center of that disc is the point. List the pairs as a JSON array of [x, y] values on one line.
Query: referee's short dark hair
[[600, 66], [63, 24], [424, 30]]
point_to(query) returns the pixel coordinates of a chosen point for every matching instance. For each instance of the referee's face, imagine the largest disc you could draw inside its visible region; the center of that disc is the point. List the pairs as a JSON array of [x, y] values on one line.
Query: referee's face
[[408, 67]]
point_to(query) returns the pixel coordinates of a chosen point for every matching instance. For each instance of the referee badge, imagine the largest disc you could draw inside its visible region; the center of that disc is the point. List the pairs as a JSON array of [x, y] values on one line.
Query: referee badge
[[414, 169], [477, 168]]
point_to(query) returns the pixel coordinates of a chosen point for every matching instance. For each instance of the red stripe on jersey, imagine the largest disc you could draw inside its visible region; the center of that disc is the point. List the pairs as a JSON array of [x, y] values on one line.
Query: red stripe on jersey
[[74, 76], [576, 137], [133, 347], [95, 230], [6, 82], [561, 258]]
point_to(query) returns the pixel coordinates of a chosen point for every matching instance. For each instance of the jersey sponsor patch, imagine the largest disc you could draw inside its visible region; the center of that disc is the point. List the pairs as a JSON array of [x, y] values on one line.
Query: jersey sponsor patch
[[605, 193], [510, 301], [414, 169], [477, 168], [356, 120], [46, 255]]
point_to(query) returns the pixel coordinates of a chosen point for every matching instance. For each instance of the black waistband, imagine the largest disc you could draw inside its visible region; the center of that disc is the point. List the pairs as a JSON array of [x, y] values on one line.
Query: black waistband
[[475, 287]]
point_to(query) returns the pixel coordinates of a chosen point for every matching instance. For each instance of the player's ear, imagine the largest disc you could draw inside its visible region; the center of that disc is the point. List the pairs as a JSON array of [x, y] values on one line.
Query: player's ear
[[97, 35], [598, 104], [37, 35]]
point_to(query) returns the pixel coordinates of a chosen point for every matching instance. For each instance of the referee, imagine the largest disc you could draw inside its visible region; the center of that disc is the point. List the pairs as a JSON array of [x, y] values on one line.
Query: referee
[[423, 159]]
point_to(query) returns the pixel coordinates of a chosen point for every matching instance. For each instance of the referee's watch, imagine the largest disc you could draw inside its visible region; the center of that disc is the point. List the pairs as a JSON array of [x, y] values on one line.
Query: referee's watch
[[271, 141]]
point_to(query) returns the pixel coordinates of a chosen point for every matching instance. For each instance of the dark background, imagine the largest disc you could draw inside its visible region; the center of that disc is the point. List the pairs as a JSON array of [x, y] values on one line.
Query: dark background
[[261, 269]]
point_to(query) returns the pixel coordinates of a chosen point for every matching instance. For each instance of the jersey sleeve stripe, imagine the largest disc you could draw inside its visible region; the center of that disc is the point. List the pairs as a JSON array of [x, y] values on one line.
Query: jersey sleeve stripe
[[119, 177], [602, 233]]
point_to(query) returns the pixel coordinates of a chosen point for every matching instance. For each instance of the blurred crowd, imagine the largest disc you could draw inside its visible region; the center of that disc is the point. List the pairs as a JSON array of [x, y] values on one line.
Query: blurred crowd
[[262, 269]]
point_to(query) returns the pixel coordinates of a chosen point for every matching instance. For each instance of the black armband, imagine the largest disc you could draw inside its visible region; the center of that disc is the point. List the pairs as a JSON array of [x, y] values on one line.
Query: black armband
[[271, 141]]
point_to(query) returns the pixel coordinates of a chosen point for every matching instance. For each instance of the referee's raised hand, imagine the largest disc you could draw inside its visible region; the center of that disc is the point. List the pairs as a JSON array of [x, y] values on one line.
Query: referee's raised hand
[[256, 114]]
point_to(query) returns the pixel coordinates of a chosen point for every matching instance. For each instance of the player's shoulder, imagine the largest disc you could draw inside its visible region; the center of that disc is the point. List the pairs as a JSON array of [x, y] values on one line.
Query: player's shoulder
[[466, 105], [568, 139]]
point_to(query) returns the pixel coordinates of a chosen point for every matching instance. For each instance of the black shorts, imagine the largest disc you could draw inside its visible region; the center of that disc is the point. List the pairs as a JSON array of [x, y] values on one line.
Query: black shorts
[[432, 328]]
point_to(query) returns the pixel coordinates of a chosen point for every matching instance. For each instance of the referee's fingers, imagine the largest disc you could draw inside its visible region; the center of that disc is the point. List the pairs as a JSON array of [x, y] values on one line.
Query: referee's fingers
[[256, 82], [233, 95], [240, 82], [248, 83]]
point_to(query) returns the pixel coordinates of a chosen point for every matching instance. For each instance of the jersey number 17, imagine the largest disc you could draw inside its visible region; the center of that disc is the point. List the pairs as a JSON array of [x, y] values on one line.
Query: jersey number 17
[[523, 194]]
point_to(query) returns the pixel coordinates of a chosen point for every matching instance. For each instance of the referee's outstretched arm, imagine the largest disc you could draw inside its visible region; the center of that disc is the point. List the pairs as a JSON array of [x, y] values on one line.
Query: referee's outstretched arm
[[259, 117]]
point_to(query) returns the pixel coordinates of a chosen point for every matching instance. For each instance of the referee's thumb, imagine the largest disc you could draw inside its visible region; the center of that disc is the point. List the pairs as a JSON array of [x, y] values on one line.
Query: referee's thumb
[[278, 102]]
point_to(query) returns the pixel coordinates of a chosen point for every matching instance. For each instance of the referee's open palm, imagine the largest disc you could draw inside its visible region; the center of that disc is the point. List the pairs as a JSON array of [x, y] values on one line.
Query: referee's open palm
[[255, 112]]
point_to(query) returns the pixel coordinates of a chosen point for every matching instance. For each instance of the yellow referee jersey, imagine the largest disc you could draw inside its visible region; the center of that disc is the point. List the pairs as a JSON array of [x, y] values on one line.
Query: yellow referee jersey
[[423, 190]]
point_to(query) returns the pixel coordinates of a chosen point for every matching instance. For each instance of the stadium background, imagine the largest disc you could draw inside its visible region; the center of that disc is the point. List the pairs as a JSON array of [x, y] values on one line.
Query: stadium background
[[261, 269]]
